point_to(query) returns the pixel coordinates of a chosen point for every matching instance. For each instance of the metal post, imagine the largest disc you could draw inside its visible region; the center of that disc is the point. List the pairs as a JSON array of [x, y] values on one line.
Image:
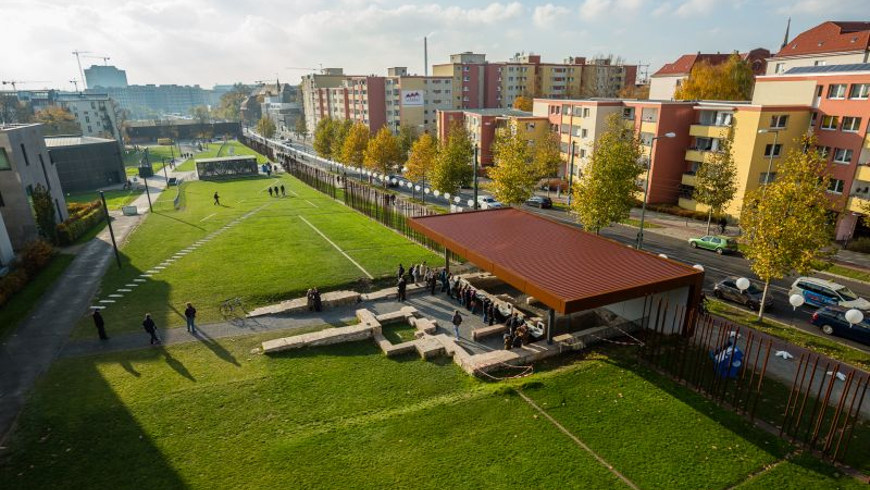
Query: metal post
[[645, 192], [111, 231], [570, 175], [423, 191], [447, 259], [165, 175], [475, 177], [150, 208], [551, 324]]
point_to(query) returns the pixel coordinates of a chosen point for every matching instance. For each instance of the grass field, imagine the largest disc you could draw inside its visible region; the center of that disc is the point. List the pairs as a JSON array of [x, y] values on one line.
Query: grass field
[[274, 254], [23, 302], [114, 199], [213, 148], [213, 415], [155, 155]]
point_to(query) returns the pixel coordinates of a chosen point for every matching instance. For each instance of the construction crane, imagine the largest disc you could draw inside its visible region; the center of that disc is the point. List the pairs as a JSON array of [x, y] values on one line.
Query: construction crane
[[305, 68], [104, 58], [15, 83], [79, 61], [75, 84]]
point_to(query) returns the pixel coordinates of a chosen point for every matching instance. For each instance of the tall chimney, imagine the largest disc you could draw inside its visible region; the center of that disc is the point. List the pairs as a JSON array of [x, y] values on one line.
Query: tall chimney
[[425, 57]]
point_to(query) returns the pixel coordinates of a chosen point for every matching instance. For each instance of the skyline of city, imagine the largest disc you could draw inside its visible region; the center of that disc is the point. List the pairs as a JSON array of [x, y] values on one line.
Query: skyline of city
[[188, 42]]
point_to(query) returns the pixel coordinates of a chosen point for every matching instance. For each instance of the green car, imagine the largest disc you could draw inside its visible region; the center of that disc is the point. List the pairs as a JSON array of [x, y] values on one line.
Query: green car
[[719, 244]]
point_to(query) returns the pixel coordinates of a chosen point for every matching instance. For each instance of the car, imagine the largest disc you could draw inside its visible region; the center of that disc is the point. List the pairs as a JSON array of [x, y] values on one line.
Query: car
[[750, 297], [540, 202], [831, 320], [718, 244], [393, 180], [488, 202], [819, 293]]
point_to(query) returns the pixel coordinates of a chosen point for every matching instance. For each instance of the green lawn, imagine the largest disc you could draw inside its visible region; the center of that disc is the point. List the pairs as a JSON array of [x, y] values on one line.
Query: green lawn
[[636, 223], [212, 415], [271, 256], [20, 305], [851, 272], [213, 148], [114, 199]]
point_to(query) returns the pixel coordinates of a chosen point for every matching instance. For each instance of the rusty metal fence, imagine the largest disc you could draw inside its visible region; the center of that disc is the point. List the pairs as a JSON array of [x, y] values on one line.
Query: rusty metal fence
[[807, 397]]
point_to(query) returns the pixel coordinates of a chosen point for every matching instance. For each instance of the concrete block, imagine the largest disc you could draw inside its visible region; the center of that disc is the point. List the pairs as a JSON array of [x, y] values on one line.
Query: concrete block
[[429, 347]]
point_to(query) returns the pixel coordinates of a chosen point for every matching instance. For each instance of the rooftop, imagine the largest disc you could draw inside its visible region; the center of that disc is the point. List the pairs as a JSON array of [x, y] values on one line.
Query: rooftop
[[564, 267], [494, 112], [61, 141], [828, 69], [829, 37]]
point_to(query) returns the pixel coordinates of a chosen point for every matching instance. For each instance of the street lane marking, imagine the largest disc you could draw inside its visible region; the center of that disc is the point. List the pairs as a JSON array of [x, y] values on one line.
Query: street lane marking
[[337, 248], [311, 203]]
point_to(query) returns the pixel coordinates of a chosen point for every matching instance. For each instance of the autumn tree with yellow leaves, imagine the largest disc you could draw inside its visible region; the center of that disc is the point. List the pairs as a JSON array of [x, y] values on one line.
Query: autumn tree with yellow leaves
[[731, 80]]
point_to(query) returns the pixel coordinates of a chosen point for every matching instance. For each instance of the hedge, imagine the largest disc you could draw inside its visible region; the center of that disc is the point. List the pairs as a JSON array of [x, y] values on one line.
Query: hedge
[[82, 218], [33, 258]]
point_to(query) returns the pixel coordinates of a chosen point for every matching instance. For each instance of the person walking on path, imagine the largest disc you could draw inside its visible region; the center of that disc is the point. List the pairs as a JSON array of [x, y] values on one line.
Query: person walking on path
[[415, 273], [283, 191], [151, 328], [401, 288], [723, 225], [217, 199], [270, 192], [190, 316], [276, 191], [457, 320], [100, 324]]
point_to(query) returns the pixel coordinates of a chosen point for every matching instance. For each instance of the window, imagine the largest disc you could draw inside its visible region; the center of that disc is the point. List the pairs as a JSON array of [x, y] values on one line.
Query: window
[[646, 139], [585, 112], [780, 68], [835, 186], [859, 91], [778, 121], [824, 151], [767, 178], [628, 112], [842, 155], [4, 160], [584, 133], [772, 150], [24, 152], [813, 117], [837, 91], [820, 63], [819, 91], [582, 152], [566, 128], [830, 122], [851, 124]]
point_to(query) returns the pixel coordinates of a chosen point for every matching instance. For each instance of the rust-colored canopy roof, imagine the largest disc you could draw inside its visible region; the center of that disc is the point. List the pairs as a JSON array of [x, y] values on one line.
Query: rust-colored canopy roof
[[564, 267]]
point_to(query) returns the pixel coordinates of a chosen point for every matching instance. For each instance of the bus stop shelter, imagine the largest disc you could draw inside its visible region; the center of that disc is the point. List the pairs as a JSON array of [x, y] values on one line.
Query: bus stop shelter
[[565, 268]]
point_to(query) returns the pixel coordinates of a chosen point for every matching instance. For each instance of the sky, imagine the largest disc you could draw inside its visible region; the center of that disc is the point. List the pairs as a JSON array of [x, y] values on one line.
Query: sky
[[209, 42]]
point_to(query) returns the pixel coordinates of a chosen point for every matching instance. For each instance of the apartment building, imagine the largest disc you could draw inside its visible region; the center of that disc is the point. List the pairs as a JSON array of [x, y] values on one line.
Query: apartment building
[[96, 114], [482, 125]]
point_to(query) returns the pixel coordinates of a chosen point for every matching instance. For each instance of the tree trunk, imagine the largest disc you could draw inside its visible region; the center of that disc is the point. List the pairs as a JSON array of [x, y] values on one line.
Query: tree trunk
[[709, 218], [763, 299]]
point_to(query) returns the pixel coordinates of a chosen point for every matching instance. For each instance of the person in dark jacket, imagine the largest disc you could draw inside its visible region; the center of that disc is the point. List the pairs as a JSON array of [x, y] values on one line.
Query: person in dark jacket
[[318, 303], [457, 320], [401, 286], [151, 328], [270, 192], [400, 272], [190, 316], [100, 324], [217, 199], [283, 191]]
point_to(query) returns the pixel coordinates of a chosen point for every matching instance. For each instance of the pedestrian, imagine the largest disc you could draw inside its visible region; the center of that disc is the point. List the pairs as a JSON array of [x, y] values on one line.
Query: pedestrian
[[485, 309], [432, 282], [190, 316], [415, 273], [276, 191], [100, 324], [443, 280], [723, 224], [318, 303], [217, 199], [457, 320], [270, 192], [491, 313], [309, 296], [401, 286], [283, 191], [401, 272], [151, 328], [508, 341]]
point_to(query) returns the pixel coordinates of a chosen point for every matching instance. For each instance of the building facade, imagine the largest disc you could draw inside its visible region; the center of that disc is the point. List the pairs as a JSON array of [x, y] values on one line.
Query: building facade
[[96, 115], [105, 76], [827, 44], [482, 125], [85, 163], [24, 164]]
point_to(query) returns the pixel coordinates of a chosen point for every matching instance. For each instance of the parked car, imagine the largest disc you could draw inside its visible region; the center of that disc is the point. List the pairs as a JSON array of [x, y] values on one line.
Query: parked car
[[819, 292], [832, 321], [488, 202], [391, 178], [718, 244], [540, 202], [750, 297]]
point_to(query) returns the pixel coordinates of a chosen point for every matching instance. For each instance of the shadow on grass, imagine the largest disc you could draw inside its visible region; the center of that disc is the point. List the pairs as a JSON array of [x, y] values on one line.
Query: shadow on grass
[[215, 347], [175, 364], [165, 215]]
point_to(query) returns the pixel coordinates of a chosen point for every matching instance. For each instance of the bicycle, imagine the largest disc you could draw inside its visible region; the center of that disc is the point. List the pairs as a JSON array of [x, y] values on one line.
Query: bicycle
[[231, 307]]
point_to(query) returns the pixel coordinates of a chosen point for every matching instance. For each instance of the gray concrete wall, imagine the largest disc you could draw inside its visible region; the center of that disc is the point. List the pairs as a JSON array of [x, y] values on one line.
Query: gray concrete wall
[[88, 166]]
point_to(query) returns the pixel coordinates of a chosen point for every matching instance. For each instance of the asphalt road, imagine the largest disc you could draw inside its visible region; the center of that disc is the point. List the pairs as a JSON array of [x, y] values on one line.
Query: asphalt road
[[716, 267]]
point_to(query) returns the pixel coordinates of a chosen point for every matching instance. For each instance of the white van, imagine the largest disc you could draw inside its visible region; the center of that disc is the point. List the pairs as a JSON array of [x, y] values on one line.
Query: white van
[[819, 292]]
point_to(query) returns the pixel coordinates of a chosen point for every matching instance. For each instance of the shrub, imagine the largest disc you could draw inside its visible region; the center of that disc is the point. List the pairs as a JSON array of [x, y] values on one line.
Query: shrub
[[35, 255], [70, 230], [76, 209], [675, 210], [861, 245], [12, 283]]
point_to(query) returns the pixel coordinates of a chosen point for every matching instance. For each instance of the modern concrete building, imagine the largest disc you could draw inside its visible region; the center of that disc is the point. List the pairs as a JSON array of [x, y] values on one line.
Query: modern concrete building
[[105, 76], [150, 101], [85, 163], [24, 164], [482, 125], [665, 82]]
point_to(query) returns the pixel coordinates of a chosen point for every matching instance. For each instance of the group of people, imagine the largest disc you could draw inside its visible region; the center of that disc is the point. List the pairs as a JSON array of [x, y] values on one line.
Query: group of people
[[418, 273], [517, 333], [314, 301], [275, 191], [148, 324]]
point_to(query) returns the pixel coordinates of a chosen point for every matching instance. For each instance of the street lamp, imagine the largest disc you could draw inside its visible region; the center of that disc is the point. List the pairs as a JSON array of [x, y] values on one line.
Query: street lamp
[[570, 173], [646, 186], [475, 176], [772, 151]]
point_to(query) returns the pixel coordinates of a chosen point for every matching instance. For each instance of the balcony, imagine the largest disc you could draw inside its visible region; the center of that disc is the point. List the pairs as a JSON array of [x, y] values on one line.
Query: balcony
[[857, 204], [689, 179], [703, 131], [700, 156], [648, 127], [863, 173]]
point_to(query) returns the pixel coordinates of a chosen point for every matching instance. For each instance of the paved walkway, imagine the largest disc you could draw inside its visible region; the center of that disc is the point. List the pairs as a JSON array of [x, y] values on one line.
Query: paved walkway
[[30, 349]]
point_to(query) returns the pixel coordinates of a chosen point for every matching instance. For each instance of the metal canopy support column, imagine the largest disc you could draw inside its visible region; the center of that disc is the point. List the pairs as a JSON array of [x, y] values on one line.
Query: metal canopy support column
[[551, 324], [447, 259]]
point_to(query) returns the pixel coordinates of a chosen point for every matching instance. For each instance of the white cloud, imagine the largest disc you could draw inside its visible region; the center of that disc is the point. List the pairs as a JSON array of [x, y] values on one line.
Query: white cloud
[[593, 9], [545, 16], [825, 7], [663, 9], [691, 8]]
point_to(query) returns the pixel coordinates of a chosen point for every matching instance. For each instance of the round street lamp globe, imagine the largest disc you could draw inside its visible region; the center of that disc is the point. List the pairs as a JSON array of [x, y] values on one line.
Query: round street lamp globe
[[395, 181], [457, 200], [699, 267], [416, 187], [426, 190], [796, 300], [447, 196], [854, 316], [437, 193], [742, 283], [470, 202], [663, 256]]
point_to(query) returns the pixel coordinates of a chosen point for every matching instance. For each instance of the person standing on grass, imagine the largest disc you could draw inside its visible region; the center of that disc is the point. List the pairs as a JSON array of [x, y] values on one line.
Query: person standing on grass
[[276, 191], [217, 199], [270, 192], [283, 191], [100, 324], [401, 286], [190, 316], [457, 320], [151, 328]]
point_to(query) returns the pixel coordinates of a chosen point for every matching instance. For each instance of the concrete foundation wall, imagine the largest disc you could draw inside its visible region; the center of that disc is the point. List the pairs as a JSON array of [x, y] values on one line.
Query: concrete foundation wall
[[661, 306]]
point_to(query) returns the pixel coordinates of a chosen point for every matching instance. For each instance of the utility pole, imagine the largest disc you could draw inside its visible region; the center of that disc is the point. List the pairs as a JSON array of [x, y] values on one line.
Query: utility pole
[[111, 231], [570, 175]]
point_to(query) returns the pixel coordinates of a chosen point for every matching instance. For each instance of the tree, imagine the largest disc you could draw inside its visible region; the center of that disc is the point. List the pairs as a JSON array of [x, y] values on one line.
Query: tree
[[266, 127], [523, 103], [513, 174], [407, 136], [43, 208], [605, 192], [452, 168], [731, 80], [324, 137], [355, 145], [785, 223], [640, 92], [201, 114], [230, 104], [715, 181], [301, 127], [547, 156], [422, 158], [383, 153], [342, 129], [57, 120], [14, 111]]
